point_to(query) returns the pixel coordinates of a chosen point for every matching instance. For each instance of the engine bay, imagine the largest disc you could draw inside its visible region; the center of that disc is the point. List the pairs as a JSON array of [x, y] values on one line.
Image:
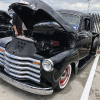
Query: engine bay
[[44, 40], [46, 45]]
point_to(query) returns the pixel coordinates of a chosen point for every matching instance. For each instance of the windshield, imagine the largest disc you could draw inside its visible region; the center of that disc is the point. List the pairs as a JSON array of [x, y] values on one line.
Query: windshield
[[73, 20]]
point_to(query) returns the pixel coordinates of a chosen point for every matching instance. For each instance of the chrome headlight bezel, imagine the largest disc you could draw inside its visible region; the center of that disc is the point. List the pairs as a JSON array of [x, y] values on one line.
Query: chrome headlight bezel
[[47, 65]]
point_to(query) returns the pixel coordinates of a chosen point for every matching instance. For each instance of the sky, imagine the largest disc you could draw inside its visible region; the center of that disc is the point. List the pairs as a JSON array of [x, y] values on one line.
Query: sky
[[78, 5]]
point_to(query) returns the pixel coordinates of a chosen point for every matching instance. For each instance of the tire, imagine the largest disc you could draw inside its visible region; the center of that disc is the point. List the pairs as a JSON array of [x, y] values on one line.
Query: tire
[[64, 78], [95, 47], [96, 52]]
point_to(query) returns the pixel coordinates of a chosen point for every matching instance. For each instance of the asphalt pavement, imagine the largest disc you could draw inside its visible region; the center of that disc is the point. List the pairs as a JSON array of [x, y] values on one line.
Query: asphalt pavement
[[95, 89]]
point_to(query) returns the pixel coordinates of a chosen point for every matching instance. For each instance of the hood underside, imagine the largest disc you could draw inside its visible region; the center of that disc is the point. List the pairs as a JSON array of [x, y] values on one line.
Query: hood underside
[[36, 12], [4, 18]]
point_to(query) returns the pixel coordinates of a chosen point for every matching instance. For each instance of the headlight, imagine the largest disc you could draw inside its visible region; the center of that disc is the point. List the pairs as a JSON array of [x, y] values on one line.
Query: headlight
[[47, 65]]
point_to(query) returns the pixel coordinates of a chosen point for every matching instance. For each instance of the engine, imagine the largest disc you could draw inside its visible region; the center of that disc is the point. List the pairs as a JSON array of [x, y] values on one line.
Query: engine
[[46, 45]]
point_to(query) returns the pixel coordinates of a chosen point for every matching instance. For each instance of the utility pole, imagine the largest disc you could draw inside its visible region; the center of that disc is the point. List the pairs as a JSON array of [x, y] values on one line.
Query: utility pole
[[88, 6]]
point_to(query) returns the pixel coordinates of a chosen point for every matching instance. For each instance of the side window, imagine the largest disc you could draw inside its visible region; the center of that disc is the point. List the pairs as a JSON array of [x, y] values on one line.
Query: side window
[[85, 24]]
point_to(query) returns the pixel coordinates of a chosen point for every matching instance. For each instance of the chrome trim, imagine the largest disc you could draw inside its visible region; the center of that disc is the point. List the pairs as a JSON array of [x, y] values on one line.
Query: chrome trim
[[2, 60], [22, 72], [2, 48], [22, 68], [21, 63], [83, 57], [23, 77], [25, 87], [21, 58], [51, 64], [2, 52], [1, 63], [1, 56]]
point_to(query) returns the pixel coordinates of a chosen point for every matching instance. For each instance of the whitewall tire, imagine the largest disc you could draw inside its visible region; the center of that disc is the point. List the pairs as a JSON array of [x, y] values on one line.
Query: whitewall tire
[[64, 78]]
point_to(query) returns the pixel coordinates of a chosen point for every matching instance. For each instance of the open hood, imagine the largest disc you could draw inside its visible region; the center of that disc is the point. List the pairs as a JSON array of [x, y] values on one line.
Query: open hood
[[36, 11], [4, 18]]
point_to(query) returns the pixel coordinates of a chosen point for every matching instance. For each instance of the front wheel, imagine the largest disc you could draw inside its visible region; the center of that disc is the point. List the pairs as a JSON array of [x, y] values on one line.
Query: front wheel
[[64, 78]]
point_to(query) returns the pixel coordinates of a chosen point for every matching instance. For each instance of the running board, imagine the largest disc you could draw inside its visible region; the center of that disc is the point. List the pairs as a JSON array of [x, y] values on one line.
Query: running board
[[84, 61]]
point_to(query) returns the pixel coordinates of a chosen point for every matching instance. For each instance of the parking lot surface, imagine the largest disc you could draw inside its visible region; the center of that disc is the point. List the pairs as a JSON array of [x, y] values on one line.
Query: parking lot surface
[[73, 90]]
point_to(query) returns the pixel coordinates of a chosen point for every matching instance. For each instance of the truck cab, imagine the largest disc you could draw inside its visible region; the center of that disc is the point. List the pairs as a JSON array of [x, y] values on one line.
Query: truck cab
[[81, 22]]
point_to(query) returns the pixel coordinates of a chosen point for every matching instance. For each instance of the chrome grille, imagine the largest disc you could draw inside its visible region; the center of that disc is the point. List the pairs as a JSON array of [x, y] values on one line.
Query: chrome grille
[[20, 67], [2, 60]]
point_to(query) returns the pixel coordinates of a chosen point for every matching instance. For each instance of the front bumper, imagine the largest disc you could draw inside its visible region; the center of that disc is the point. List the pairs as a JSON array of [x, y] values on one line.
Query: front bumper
[[28, 88]]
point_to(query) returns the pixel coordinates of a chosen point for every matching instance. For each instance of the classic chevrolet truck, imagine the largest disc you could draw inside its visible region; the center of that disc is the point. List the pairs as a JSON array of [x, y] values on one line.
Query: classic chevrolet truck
[[59, 43], [6, 28]]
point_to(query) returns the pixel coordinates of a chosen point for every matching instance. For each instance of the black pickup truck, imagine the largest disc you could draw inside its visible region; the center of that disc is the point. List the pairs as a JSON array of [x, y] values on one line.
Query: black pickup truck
[[58, 43], [6, 28]]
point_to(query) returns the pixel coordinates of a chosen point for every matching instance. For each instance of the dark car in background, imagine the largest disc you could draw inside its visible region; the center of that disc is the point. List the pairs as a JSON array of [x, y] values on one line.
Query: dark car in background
[[6, 28], [58, 43]]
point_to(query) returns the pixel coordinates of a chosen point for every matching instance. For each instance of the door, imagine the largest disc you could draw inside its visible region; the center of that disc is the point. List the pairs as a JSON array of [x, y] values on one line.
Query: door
[[85, 37]]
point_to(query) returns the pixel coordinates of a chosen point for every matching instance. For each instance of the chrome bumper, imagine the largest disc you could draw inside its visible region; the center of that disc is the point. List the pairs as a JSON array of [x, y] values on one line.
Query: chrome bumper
[[28, 88]]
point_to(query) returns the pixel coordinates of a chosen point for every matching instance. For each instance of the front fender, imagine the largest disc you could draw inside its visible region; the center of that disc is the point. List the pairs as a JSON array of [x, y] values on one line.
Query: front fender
[[61, 61]]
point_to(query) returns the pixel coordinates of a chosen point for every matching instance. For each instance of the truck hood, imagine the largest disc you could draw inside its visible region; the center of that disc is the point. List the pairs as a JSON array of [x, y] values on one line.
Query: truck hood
[[4, 18], [36, 11]]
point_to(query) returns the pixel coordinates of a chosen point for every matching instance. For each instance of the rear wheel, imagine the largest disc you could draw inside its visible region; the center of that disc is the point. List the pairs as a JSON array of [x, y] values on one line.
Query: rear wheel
[[95, 47], [64, 78]]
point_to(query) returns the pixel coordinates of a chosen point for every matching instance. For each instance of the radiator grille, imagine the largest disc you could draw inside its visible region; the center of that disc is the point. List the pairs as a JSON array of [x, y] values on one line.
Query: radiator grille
[[20, 67]]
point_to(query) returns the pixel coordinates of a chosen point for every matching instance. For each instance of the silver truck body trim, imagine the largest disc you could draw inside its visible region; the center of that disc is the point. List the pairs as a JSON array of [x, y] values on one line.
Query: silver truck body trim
[[21, 58], [22, 68], [20, 62], [21, 72], [22, 76]]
